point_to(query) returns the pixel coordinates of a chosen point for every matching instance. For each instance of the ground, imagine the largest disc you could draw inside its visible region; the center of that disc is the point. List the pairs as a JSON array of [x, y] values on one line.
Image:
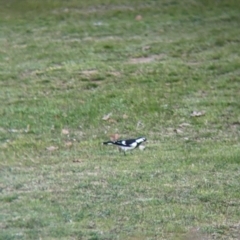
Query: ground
[[76, 73]]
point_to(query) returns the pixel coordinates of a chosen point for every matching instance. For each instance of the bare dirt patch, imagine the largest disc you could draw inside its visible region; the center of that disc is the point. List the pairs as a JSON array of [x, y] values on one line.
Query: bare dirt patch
[[147, 59], [89, 72]]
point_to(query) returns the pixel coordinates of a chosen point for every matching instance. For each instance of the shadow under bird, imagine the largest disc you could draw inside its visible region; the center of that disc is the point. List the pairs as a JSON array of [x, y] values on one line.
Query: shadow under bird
[[128, 144]]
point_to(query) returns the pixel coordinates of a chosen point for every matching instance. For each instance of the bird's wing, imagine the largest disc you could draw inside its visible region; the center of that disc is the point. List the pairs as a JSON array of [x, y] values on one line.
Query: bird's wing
[[120, 143], [129, 142], [124, 143]]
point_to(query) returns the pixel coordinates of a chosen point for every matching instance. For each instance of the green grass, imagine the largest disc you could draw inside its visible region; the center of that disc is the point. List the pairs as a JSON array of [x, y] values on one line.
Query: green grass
[[64, 65]]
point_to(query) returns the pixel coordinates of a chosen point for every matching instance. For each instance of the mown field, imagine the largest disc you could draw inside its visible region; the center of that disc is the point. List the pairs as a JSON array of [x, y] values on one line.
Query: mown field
[[76, 73]]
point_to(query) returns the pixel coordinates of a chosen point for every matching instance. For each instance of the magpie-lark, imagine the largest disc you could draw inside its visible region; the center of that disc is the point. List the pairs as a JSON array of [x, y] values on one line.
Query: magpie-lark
[[128, 144]]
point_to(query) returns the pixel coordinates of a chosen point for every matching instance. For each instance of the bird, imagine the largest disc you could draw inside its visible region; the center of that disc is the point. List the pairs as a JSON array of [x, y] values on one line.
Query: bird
[[128, 144]]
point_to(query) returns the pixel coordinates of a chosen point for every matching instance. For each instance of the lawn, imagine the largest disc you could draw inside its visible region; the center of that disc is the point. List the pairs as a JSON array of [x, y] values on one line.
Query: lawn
[[76, 73]]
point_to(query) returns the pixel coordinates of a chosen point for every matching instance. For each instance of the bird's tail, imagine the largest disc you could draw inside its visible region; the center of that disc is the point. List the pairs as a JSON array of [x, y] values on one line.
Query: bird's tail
[[108, 143]]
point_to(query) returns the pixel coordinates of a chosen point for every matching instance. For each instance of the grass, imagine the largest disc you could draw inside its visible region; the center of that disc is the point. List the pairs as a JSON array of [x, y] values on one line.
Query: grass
[[65, 65]]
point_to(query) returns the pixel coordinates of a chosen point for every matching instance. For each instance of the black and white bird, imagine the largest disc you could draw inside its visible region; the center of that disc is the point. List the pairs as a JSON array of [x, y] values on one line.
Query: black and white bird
[[128, 144]]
